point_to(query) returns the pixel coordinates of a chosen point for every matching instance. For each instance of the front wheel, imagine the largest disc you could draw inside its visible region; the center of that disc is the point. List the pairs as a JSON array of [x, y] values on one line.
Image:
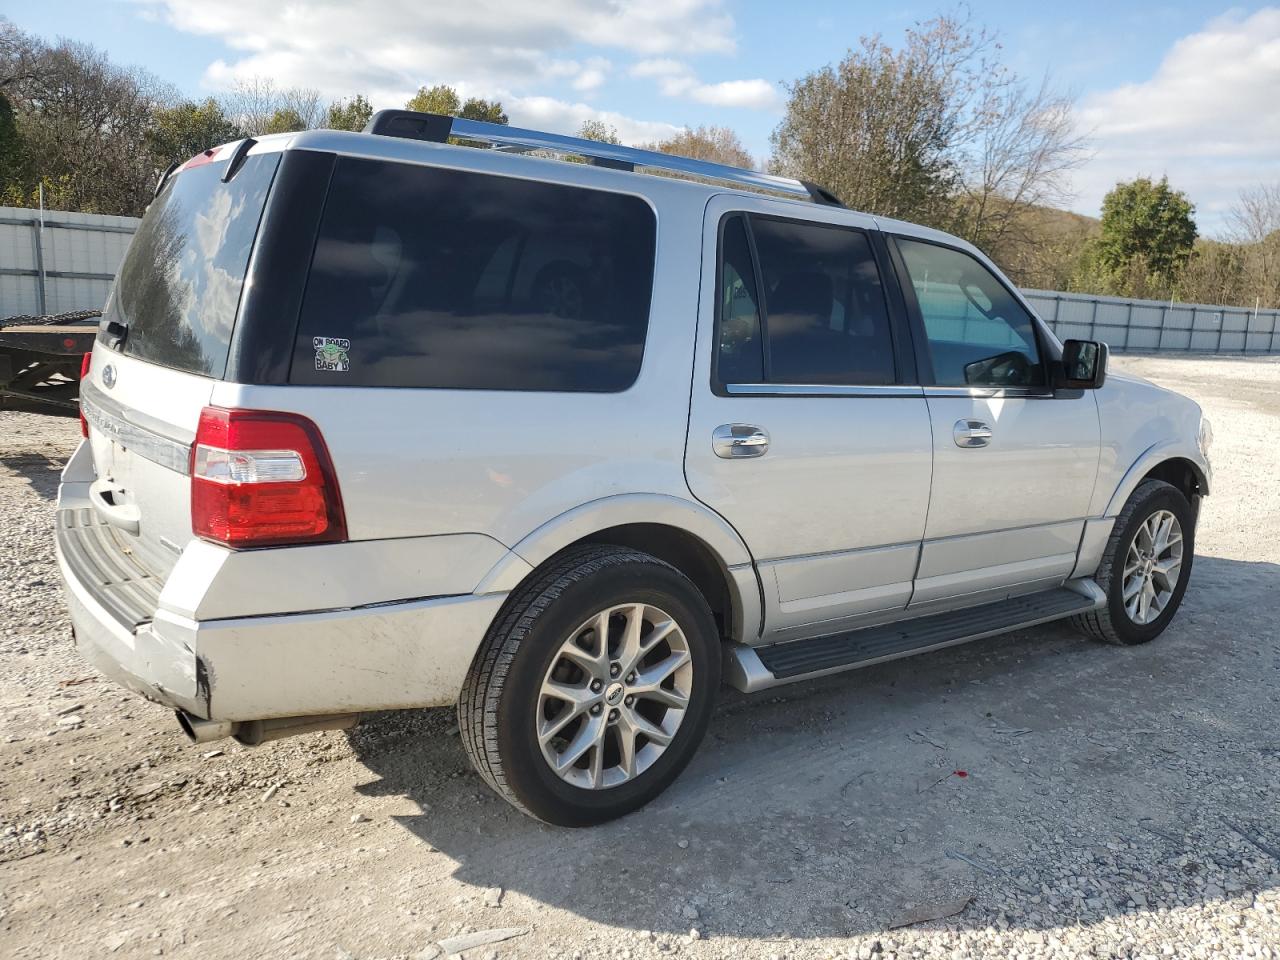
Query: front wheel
[[593, 687], [1145, 566]]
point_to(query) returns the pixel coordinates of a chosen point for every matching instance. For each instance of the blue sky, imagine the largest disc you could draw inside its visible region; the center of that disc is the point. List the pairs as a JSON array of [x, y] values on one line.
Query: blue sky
[[1187, 89]]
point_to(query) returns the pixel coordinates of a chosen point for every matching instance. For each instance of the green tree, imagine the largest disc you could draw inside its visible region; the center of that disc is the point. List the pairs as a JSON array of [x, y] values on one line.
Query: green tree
[[877, 128], [285, 120], [350, 114], [934, 130], [444, 99], [179, 132], [599, 131], [1148, 223], [490, 111], [10, 145], [80, 123], [438, 99]]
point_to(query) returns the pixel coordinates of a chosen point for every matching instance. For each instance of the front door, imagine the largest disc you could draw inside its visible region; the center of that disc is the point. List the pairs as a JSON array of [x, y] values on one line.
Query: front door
[[1014, 463], [806, 432]]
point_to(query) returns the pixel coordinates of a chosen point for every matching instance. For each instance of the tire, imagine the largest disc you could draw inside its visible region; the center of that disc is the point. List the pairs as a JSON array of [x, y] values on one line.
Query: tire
[[1114, 623], [504, 703]]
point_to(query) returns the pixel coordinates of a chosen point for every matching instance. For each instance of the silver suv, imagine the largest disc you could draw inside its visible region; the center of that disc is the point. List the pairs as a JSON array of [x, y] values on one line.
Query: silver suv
[[375, 421]]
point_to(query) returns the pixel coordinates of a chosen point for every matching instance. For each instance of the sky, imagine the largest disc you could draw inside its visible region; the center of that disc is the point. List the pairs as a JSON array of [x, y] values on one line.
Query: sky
[[1189, 90]]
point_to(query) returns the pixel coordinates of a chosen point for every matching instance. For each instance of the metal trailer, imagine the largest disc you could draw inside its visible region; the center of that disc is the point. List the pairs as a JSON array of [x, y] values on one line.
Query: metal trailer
[[40, 361], [56, 268]]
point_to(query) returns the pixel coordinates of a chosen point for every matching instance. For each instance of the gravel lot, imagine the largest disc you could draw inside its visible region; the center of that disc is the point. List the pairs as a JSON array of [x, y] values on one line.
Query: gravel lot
[[1112, 802]]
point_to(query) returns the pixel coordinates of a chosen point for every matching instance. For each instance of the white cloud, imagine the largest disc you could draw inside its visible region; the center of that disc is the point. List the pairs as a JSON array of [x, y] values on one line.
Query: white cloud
[[396, 45], [1208, 118], [592, 75], [678, 79], [557, 116]]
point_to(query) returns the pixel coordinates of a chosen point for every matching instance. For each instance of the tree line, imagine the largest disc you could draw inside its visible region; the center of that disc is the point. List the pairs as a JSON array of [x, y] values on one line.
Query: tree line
[[936, 130]]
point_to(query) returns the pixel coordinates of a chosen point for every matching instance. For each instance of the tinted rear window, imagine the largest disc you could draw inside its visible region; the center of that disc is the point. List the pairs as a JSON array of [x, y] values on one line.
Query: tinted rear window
[[425, 277], [826, 319], [179, 285]]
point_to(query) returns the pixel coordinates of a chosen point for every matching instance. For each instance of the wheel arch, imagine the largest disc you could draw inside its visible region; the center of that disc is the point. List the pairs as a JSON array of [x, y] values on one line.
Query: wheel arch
[[1171, 463], [693, 539]]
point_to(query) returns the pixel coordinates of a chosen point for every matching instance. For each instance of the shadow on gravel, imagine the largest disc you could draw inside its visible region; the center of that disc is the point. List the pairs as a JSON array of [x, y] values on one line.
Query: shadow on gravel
[[1097, 780], [41, 471]]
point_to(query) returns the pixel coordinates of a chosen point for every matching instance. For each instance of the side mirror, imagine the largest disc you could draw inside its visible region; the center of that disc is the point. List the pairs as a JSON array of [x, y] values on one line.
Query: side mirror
[[1084, 365]]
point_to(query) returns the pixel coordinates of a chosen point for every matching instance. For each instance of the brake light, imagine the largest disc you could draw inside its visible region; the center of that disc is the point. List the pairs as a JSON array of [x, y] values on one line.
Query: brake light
[[84, 375], [261, 478]]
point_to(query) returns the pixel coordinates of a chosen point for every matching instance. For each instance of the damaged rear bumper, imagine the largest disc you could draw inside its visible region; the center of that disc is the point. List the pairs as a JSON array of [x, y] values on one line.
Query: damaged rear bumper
[[390, 656]]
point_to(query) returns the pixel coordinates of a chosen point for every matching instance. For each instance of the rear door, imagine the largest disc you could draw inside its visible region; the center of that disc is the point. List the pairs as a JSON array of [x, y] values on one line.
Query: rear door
[[1014, 461], [805, 432], [166, 337]]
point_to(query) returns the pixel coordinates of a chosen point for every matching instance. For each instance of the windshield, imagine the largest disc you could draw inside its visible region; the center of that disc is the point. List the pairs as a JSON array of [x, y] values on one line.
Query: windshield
[[179, 285]]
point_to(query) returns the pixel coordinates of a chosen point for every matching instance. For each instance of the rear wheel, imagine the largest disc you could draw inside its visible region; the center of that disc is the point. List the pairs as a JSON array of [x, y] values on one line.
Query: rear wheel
[[1145, 566], [593, 688]]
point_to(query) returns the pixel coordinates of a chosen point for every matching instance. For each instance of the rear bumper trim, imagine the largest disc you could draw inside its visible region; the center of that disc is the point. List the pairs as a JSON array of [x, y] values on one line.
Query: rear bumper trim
[[112, 575], [387, 657]]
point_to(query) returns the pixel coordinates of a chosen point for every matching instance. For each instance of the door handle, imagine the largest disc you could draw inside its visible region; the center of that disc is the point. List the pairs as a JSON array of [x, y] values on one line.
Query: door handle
[[123, 515], [738, 441], [971, 433]]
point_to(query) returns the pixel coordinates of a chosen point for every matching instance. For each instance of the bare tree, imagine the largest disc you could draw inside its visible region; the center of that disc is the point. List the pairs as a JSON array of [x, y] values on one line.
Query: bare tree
[[1023, 144], [258, 106], [18, 54], [937, 131], [714, 144], [82, 122], [1254, 224]]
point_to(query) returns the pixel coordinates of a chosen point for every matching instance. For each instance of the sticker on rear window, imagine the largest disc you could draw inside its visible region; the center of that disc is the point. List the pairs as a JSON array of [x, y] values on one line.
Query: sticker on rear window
[[331, 353]]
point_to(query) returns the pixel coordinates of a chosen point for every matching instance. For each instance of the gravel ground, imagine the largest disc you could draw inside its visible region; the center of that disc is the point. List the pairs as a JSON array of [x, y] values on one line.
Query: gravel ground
[[1056, 797]]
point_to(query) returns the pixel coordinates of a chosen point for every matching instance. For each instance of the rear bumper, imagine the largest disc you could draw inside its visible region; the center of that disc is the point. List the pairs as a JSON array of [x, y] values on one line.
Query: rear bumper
[[287, 632], [411, 654]]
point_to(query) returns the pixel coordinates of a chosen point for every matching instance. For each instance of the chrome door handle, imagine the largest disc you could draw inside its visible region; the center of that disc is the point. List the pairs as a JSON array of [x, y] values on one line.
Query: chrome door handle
[[738, 441], [971, 433]]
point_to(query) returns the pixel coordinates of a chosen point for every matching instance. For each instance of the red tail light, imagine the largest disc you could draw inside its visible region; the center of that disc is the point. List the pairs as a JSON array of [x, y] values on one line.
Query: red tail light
[[260, 478], [84, 375]]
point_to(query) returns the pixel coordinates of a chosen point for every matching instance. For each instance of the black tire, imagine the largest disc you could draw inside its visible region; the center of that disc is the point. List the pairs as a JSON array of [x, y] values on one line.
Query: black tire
[[500, 696], [1111, 624]]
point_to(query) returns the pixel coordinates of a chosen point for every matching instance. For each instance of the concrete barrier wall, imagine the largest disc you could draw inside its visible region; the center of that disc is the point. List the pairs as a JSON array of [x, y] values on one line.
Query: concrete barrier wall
[[1157, 326], [55, 262]]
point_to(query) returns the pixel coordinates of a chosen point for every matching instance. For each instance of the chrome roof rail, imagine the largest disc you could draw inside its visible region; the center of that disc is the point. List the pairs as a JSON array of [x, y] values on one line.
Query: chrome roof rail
[[436, 128]]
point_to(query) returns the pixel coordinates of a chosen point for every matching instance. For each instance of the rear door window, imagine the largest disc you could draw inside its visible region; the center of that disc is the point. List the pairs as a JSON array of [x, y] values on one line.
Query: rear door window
[[740, 358], [825, 315], [425, 277], [179, 286]]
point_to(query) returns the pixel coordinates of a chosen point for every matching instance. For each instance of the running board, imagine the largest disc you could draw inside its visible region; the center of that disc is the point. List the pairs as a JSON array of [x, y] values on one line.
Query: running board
[[750, 669]]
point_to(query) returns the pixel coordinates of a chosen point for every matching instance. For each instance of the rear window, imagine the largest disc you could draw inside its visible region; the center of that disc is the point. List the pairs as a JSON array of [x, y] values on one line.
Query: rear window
[[425, 277], [179, 285]]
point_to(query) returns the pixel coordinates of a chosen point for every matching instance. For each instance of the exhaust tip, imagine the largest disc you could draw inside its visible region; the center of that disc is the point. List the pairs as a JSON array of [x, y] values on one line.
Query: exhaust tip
[[203, 731]]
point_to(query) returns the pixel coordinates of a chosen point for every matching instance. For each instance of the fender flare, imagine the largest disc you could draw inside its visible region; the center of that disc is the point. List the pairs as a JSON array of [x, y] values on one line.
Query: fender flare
[[1147, 461], [714, 532]]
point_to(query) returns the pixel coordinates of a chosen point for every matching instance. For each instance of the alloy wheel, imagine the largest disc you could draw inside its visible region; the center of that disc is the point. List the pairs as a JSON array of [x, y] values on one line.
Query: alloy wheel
[[1151, 567], [614, 696]]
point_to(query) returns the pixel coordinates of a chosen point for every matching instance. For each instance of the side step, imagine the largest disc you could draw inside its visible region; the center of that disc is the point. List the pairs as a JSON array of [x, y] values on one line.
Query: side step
[[758, 668]]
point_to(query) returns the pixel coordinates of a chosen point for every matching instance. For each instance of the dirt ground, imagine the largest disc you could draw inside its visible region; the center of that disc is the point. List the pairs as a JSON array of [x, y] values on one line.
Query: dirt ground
[[1082, 800]]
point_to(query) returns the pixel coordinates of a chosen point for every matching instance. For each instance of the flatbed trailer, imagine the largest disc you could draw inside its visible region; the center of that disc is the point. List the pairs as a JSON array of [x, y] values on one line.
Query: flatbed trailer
[[40, 360]]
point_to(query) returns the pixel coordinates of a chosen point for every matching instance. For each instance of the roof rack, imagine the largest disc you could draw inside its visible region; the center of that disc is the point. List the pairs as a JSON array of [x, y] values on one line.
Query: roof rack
[[437, 128]]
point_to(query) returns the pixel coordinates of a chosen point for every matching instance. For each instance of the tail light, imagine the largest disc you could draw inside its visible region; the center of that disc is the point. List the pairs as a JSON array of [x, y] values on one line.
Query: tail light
[[85, 361], [261, 478]]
